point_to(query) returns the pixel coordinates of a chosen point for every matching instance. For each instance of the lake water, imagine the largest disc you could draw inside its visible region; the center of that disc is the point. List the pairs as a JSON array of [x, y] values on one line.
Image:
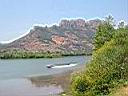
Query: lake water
[[14, 74]]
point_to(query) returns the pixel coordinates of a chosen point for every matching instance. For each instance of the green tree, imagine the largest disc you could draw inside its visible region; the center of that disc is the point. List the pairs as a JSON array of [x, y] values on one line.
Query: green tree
[[109, 19], [104, 32], [121, 24]]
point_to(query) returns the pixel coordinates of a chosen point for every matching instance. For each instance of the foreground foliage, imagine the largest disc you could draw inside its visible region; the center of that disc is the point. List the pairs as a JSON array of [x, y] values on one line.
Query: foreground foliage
[[107, 70]]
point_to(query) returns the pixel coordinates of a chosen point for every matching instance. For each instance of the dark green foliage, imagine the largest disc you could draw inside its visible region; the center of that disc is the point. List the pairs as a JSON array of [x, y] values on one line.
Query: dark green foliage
[[13, 54], [121, 25], [107, 70], [103, 34], [109, 19]]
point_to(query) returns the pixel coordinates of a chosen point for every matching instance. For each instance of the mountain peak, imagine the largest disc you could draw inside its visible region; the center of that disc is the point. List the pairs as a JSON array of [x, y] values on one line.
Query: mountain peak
[[78, 23]]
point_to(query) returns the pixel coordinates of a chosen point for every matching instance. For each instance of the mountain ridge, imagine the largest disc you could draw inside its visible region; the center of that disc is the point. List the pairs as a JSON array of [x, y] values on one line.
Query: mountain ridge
[[69, 36]]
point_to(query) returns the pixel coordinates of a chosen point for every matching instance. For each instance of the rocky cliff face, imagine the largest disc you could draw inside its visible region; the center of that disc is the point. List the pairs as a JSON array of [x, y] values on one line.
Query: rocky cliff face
[[69, 36], [79, 24], [76, 24]]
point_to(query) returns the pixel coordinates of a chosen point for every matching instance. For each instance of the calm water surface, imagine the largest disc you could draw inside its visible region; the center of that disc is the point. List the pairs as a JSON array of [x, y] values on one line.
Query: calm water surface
[[13, 74]]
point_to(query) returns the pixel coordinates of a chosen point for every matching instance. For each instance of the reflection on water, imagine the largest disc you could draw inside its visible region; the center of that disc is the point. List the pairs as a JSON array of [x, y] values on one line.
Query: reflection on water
[[62, 80], [24, 87], [36, 86]]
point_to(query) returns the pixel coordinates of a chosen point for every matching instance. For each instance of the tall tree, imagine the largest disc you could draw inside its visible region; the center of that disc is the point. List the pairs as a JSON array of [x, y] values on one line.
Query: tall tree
[[110, 20], [104, 32], [121, 24]]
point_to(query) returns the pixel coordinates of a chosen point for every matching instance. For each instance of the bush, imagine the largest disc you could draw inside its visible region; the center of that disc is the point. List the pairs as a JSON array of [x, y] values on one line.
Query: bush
[[107, 70]]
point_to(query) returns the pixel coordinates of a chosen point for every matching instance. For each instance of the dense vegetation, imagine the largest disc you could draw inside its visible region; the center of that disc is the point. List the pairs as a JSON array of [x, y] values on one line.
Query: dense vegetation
[[109, 66], [26, 54]]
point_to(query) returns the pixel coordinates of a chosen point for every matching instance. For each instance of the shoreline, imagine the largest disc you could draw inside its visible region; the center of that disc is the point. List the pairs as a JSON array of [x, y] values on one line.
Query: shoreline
[[61, 56]]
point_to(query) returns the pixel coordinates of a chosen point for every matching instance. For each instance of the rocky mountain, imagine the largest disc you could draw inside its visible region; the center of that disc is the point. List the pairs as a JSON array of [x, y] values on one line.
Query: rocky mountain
[[69, 36]]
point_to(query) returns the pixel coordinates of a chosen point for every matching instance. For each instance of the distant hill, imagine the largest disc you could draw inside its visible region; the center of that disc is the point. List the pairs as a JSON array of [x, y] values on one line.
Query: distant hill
[[68, 37]]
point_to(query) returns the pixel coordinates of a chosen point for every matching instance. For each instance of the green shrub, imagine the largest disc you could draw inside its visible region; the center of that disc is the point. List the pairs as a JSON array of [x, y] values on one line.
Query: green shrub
[[107, 70]]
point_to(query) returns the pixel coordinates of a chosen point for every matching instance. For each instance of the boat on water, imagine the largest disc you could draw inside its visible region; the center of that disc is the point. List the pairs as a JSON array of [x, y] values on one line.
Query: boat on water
[[59, 65]]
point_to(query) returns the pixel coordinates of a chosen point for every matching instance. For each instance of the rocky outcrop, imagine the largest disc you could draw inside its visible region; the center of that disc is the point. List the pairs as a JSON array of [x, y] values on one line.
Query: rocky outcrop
[[77, 24], [58, 39]]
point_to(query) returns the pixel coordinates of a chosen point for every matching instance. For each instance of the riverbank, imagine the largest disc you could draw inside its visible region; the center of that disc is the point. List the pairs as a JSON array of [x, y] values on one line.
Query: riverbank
[[27, 55]]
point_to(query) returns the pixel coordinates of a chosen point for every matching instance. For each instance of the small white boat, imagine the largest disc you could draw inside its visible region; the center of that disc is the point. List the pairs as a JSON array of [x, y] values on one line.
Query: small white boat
[[62, 65]]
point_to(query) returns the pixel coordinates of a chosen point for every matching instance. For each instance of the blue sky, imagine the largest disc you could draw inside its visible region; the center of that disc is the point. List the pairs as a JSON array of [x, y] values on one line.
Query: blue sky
[[17, 16]]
